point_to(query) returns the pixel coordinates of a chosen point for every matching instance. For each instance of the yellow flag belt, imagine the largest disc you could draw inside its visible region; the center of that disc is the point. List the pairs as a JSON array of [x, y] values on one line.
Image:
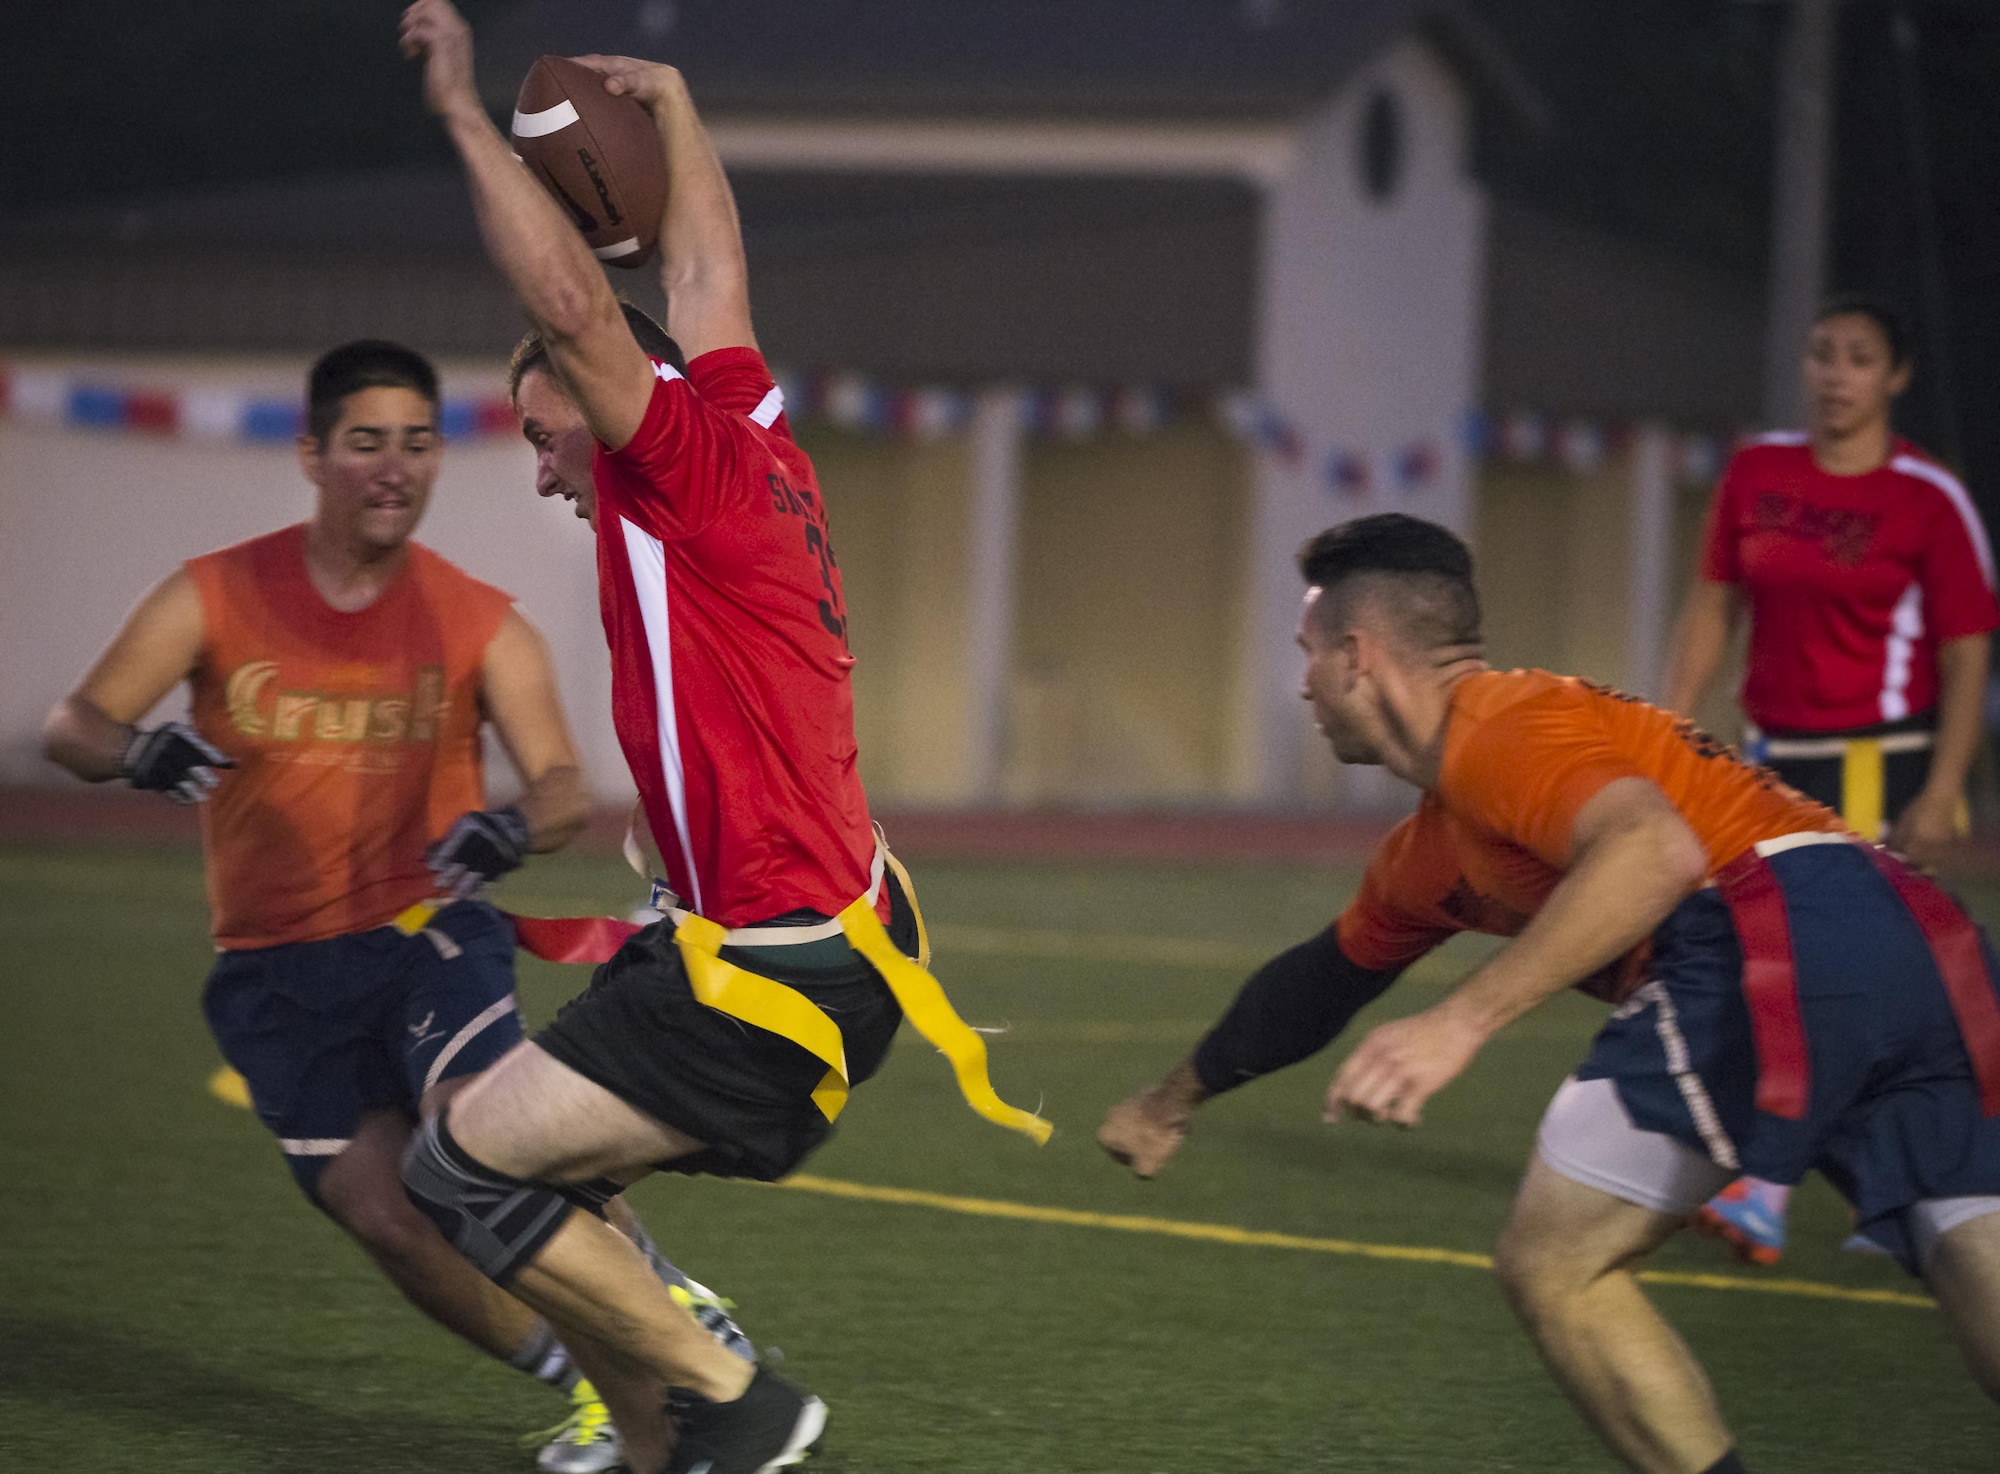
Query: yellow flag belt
[[781, 1009], [774, 1006]]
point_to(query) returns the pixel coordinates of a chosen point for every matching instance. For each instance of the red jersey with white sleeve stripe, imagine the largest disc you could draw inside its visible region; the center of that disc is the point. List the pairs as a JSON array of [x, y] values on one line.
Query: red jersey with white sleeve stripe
[[1852, 582], [730, 669]]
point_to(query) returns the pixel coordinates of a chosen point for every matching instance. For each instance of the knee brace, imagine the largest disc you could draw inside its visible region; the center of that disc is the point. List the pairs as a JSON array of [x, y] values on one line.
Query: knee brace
[[496, 1221], [591, 1196]]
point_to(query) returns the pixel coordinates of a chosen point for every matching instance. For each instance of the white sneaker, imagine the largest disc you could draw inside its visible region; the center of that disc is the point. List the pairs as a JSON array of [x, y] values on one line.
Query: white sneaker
[[585, 1443]]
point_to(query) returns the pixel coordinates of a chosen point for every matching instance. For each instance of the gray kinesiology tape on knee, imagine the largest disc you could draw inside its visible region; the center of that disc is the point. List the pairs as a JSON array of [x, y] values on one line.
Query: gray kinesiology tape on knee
[[496, 1221]]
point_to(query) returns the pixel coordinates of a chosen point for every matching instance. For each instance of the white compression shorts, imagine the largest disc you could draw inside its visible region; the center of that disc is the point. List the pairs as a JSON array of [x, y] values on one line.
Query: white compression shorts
[[1587, 1137]]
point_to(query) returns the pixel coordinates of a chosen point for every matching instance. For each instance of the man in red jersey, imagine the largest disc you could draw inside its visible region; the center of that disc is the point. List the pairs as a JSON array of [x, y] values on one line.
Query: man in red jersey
[[724, 1040], [341, 675], [1789, 997]]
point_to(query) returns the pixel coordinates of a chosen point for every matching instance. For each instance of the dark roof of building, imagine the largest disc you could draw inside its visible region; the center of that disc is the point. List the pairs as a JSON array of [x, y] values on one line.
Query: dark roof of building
[[1038, 58], [373, 211], [1240, 60]]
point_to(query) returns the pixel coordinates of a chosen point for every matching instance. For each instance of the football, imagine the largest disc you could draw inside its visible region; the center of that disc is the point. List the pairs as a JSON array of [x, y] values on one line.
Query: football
[[598, 155]]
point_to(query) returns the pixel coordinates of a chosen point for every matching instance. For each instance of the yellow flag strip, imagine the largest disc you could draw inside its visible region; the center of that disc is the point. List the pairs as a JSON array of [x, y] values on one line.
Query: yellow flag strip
[[765, 1002], [931, 1014]]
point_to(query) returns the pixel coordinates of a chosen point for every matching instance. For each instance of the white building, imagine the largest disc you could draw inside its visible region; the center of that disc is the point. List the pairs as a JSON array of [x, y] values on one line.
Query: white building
[[1278, 203]]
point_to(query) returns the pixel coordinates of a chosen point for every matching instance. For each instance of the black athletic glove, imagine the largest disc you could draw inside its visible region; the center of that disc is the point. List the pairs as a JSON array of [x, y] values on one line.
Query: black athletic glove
[[174, 760], [478, 849]]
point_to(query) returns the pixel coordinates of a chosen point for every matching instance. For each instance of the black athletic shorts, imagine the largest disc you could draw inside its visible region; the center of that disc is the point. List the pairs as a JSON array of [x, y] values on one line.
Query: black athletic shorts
[[745, 1092]]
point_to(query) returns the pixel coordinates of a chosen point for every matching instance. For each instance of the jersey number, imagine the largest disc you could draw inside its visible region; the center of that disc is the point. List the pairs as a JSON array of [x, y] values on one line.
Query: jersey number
[[832, 613]]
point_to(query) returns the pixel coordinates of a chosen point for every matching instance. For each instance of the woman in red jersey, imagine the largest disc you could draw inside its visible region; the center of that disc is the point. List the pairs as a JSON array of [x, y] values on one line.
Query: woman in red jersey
[[1868, 583]]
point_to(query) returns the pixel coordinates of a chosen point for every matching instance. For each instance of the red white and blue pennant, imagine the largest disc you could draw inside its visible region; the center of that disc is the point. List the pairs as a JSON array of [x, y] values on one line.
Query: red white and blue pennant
[[863, 405]]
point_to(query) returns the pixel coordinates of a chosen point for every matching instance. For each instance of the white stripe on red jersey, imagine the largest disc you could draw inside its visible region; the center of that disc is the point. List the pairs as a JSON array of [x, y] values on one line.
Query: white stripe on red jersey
[[1961, 503], [1906, 627], [646, 558]]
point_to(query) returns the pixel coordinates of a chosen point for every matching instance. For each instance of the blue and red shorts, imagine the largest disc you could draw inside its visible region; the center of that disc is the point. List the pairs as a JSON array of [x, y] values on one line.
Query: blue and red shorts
[[1856, 1064], [324, 1032]]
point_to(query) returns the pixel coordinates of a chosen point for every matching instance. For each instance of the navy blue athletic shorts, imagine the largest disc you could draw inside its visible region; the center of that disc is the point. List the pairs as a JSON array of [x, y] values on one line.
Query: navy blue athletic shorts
[[325, 1031], [1893, 1115]]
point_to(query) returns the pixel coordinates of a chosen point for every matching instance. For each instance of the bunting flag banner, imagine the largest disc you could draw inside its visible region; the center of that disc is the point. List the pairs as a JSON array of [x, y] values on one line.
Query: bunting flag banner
[[1419, 466], [1697, 458], [1577, 446], [1347, 472], [1475, 433], [852, 403], [1263, 428], [39, 396], [1137, 410], [1523, 437], [935, 413], [100, 401]]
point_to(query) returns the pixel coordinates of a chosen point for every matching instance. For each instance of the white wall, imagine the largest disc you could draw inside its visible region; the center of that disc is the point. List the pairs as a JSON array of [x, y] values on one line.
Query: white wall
[[1368, 343], [90, 520]]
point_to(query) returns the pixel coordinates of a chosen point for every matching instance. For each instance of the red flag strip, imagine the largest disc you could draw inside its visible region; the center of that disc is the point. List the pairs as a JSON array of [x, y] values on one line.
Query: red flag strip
[[1770, 987], [570, 938], [1961, 964]]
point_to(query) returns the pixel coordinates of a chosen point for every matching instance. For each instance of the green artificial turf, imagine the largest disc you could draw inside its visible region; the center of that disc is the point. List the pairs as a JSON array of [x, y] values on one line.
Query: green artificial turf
[[168, 1303]]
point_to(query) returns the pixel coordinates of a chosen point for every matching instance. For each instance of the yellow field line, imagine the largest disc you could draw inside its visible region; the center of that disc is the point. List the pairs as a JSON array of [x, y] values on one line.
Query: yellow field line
[[226, 1085], [1222, 1233], [1809, 1289]]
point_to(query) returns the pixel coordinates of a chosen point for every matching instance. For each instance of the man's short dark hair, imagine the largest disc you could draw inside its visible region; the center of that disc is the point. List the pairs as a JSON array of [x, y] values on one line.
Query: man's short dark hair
[[368, 363], [1423, 570], [532, 352], [1878, 310]]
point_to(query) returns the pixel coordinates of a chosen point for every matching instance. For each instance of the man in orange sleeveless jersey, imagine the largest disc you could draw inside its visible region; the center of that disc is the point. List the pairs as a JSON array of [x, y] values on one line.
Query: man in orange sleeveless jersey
[[1789, 997], [340, 675]]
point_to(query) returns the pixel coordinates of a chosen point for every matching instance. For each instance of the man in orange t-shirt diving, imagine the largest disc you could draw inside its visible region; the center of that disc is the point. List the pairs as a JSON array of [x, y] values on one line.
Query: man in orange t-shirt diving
[[1788, 997]]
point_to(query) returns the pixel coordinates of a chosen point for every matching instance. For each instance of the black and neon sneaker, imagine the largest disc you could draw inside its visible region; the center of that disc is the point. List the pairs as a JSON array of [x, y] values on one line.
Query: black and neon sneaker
[[712, 1311], [769, 1427]]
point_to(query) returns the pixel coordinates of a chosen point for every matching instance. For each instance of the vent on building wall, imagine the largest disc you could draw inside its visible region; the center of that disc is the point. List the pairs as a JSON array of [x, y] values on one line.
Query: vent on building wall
[[1381, 152]]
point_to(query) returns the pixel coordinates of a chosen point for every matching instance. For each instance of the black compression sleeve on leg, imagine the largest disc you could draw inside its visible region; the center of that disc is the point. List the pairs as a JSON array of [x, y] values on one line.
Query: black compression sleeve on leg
[[1729, 1463], [1291, 1008]]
